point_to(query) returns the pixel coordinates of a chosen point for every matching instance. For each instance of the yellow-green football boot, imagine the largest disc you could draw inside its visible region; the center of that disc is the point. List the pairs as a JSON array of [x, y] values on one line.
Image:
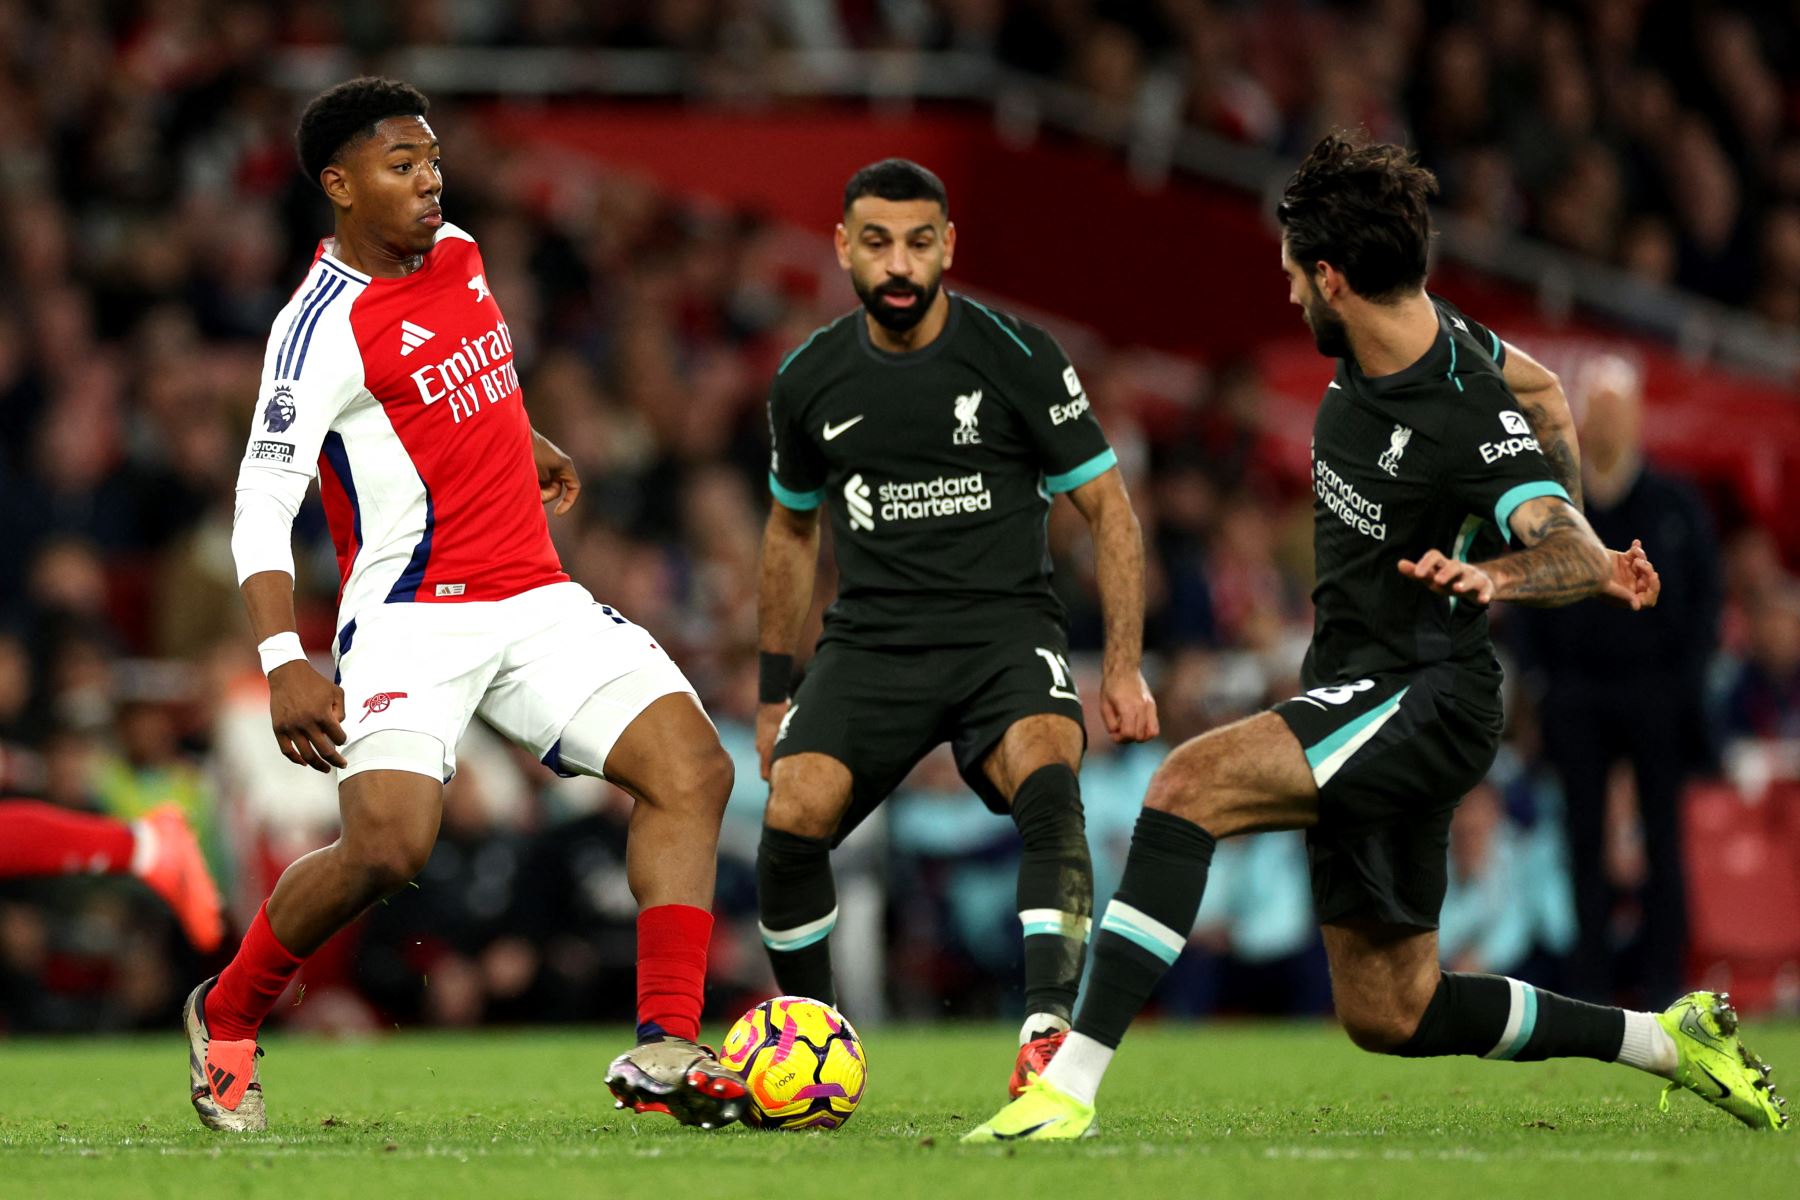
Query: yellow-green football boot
[[1040, 1114], [1716, 1066]]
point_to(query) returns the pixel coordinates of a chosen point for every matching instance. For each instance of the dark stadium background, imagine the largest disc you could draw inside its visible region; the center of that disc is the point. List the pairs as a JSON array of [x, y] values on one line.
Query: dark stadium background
[[653, 186]]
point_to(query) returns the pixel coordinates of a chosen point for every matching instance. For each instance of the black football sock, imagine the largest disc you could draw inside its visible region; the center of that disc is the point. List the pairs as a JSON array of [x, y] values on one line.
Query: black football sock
[[797, 903], [1497, 1017], [1145, 927], [1056, 889]]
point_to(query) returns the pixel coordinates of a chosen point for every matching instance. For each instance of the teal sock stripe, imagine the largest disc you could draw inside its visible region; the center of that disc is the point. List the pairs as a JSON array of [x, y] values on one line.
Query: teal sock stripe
[[801, 936], [1139, 937], [1527, 1024]]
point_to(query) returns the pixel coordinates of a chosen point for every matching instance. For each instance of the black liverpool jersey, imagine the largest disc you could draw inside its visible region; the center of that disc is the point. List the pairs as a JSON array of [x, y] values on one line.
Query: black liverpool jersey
[[939, 467], [1436, 456]]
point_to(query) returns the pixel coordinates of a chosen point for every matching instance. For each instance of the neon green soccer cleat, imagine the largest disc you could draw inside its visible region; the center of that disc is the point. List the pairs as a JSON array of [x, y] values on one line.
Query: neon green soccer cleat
[[1715, 1065], [1040, 1114]]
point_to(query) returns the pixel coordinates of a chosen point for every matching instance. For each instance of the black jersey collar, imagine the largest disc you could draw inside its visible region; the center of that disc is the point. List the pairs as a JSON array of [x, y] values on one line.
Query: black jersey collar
[[910, 358], [1434, 362]]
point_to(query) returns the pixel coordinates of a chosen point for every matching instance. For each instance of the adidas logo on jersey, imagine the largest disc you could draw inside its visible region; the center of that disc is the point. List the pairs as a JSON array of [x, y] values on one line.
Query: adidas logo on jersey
[[412, 337]]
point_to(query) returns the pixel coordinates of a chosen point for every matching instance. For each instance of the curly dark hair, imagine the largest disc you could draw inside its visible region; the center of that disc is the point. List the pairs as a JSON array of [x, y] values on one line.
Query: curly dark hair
[[896, 179], [1363, 207], [349, 112]]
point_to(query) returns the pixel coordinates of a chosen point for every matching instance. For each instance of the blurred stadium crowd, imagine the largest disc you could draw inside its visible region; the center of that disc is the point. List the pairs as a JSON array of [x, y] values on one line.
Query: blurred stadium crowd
[[154, 223]]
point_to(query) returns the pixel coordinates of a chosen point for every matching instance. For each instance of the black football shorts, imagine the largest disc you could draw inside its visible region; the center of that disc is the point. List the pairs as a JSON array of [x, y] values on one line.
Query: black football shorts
[[879, 710], [1393, 756]]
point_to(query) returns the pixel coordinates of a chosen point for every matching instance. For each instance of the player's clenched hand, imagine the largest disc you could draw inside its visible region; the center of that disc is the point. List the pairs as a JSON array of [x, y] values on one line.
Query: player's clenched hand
[[1634, 583], [556, 474], [768, 724], [1127, 707], [307, 711], [1450, 577]]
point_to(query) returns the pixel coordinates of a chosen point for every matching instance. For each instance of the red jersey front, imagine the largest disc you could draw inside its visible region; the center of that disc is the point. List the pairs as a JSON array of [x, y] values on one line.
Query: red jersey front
[[405, 394]]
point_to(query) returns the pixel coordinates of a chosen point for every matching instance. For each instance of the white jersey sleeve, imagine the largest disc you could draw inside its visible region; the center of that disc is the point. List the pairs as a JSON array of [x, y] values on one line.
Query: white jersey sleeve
[[312, 370]]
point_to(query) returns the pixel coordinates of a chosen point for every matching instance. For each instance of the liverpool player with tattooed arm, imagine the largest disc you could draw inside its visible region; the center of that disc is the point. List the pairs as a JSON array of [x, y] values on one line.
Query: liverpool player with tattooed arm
[[1433, 498], [390, 376], [939, 432]]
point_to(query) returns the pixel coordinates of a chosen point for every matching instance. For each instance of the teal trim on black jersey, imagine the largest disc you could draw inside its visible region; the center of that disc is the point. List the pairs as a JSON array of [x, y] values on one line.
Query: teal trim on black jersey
[[1465, 539], [1507, 504], [797, 350], [1090, 470], [1497, 351], [1451, 373], [1019, 341], [798, 501]]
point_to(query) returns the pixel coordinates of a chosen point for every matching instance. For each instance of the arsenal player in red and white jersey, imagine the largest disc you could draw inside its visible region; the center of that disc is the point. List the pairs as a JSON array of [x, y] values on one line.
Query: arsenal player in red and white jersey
[[391, 376]]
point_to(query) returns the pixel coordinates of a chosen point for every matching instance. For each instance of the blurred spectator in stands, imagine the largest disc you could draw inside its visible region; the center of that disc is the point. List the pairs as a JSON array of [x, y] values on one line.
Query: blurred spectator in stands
[[1763, 696], [21, 766], [148, 769], [1622, 687]]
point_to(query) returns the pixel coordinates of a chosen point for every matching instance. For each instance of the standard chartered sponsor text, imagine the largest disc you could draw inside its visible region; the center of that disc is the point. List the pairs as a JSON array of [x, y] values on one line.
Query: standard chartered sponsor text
[[944, 496], [1351, 506]]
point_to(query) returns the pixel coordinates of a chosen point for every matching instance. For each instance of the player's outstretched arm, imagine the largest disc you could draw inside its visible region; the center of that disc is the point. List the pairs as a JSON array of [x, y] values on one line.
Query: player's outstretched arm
[[1563, 561], [1546, 407], [1126, 704], [790, 559]]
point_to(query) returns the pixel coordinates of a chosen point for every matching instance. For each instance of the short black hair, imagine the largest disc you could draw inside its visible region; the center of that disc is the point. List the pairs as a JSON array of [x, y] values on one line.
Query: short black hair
[[1363, 207], [340, 115], [896, 179]]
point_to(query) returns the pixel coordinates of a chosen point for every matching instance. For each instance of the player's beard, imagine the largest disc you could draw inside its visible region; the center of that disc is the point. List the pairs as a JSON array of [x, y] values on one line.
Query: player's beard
[[1330, 334], [899, 320]]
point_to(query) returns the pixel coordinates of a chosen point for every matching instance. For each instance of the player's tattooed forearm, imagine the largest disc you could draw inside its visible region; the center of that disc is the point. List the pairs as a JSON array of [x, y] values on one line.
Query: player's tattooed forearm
[[1562, 564]]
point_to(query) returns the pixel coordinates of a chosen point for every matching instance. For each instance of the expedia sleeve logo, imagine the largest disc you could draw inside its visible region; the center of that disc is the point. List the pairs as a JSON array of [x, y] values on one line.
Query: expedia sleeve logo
[[279, 413]]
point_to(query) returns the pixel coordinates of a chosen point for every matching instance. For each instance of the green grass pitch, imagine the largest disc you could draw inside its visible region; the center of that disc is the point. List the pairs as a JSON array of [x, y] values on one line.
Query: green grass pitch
[[1231, 1110]]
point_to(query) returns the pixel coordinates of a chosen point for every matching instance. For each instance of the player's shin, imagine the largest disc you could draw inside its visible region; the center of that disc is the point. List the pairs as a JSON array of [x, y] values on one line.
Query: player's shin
[[1497, 1017], [1055, 895], [1139, 938], [797, 901], [250, 984]]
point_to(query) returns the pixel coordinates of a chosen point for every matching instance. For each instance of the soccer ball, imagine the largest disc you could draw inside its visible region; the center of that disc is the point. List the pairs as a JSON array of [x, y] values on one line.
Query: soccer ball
[[802, 1061]]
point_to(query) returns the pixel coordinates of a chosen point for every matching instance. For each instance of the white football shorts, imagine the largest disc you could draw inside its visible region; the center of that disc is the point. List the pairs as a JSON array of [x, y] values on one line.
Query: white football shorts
[[526, 664]]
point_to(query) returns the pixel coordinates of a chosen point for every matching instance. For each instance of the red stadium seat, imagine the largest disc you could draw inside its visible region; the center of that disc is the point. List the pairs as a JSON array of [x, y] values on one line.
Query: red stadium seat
[[1743, 871]]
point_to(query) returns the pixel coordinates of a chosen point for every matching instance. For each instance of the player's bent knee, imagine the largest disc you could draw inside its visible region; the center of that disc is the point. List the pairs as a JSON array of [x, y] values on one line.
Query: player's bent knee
[[799, 812], [1186, 786], [706, 780], [384, 865], [790, 815], [809, 795]]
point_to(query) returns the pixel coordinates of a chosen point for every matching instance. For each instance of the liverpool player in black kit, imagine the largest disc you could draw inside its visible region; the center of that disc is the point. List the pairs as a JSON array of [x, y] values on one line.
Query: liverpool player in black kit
[[1434, 497], [938, 432]]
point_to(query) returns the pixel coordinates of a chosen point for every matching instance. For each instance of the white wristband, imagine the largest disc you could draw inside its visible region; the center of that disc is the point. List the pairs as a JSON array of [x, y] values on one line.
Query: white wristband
[[280, 650]]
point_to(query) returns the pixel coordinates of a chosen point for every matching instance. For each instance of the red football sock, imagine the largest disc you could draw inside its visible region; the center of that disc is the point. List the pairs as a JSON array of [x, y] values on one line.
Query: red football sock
[[48, 839], [671, 969], [250, 984]]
